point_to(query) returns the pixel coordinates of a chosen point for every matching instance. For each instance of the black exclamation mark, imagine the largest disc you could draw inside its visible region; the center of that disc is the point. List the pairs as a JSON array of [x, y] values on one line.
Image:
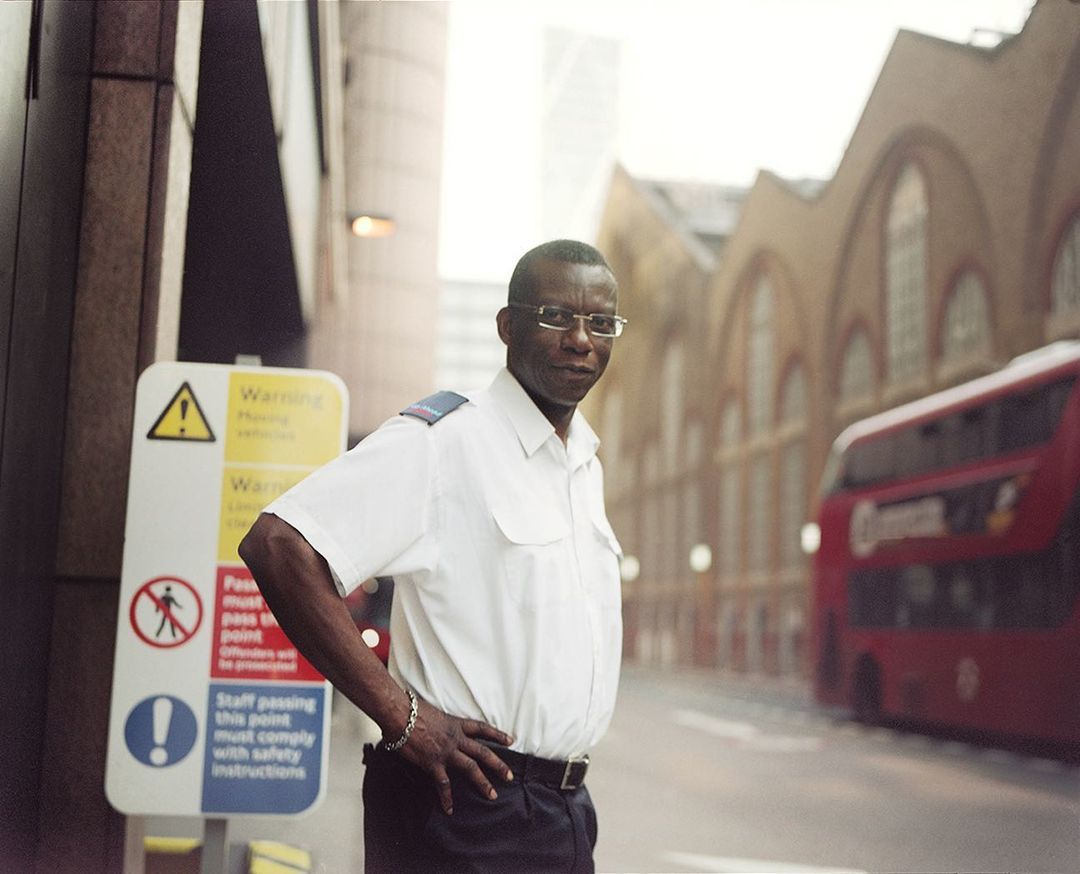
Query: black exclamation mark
[[184, 403]]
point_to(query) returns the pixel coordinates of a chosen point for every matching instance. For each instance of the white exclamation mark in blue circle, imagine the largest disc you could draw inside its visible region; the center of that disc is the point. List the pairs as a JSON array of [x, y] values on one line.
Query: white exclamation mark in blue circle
[[160, 731], [163, 708]]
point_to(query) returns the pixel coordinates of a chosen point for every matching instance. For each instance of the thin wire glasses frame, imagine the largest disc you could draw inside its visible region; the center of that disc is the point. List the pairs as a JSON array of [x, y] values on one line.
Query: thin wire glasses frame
[[561, 319]]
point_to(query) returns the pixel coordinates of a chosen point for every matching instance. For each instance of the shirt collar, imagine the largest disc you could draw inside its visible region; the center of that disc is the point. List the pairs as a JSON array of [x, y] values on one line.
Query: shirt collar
[[532, 427]]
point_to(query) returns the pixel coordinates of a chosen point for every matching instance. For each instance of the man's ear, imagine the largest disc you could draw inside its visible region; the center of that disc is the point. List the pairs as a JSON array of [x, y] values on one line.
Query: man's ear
[[502, 319]]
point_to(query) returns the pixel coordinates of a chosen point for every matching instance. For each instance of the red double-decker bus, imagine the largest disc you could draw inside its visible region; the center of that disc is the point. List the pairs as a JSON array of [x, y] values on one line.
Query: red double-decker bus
[[947, 579]]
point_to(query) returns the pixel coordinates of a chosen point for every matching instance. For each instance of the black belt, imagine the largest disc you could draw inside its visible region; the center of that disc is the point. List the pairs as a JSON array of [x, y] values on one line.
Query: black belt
[[562, 774]]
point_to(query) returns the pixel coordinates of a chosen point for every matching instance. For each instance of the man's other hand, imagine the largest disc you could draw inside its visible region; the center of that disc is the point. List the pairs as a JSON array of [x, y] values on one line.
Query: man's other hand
[[440, 742]]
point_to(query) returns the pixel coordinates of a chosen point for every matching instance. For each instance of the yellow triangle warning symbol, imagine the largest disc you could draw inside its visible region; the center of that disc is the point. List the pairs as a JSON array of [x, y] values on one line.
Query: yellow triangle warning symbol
[[182, 419]]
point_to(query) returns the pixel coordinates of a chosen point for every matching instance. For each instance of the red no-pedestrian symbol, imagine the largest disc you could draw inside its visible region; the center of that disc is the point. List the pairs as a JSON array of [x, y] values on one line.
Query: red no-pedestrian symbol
[[166, 612]]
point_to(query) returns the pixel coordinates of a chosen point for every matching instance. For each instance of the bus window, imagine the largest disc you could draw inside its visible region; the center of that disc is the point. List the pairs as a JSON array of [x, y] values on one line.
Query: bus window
[[1007, 425], [872, 601], [1018, 592], [870, 462], [1063, 567], [965, 436], [967, 598], [932, 446], [914, 450], [918, 597], [1031, 418], [833, 475]]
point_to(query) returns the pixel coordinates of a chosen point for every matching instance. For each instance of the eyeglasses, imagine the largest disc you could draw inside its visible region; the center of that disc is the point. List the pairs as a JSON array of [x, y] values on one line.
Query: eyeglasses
[[562, 319]]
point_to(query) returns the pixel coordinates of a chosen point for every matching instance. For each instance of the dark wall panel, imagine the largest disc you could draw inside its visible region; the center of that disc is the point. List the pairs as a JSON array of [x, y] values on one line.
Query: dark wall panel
[[37, 282], [240, 289]]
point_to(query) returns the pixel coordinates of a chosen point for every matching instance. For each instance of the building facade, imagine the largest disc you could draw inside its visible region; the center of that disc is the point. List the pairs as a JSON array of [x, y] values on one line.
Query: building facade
[[378, 328], [470, 352], [947, 243], [179, 179]]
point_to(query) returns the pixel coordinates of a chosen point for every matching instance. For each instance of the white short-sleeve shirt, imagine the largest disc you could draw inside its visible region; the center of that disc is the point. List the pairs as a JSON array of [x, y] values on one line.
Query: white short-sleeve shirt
[[507, 605]]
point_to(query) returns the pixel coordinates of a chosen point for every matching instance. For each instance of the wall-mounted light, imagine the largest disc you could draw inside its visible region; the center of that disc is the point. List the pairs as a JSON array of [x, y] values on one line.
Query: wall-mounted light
[[700, 558], [810, 538], [365, 224]]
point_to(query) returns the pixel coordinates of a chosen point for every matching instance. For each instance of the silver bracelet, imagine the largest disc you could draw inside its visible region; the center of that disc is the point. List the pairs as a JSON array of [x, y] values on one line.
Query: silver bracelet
[[409, 726]]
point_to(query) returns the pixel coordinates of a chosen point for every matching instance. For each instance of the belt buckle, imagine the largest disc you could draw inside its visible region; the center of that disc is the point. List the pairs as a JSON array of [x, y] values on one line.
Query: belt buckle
[[568, 773]]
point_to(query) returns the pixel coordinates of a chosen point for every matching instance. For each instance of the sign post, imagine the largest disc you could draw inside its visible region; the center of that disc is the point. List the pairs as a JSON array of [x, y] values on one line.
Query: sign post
[[214, 712]]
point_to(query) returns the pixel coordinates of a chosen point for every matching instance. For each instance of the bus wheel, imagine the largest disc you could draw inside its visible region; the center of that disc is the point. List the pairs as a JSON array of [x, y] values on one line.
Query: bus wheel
[[866, 691]]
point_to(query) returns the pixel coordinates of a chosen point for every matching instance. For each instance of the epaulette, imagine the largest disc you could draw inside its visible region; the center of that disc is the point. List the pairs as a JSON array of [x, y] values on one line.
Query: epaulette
[[434, 407]]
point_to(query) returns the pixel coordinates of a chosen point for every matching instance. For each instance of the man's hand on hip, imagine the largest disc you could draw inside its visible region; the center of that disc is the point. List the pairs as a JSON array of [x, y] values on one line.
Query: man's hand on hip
[[440, 742]]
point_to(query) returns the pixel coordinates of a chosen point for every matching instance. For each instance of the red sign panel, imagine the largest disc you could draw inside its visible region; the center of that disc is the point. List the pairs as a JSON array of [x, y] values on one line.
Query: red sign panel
[[248, 642]]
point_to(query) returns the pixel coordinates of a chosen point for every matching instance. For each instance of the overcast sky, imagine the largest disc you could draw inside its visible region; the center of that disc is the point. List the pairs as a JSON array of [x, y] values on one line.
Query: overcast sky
[[711, 90]]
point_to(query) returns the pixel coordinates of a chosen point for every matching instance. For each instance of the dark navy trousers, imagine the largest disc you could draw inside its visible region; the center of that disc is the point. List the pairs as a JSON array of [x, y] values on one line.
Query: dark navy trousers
[[530, 827]]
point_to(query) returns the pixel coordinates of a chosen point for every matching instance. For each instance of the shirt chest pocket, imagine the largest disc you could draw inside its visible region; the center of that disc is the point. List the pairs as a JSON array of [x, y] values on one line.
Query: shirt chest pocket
[[536, 555], [608, 555]]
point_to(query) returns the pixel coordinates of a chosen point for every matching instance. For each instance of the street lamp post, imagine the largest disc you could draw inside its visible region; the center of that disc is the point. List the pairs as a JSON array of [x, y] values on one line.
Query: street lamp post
[[705, 603]]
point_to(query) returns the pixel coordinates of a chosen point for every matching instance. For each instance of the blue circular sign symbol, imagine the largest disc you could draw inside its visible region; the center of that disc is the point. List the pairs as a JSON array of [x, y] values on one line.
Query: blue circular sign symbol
[[160, 731]]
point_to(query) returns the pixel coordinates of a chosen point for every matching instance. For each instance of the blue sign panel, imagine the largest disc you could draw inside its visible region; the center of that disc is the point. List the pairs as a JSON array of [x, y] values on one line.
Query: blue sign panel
[[263, 748], [160, 731]]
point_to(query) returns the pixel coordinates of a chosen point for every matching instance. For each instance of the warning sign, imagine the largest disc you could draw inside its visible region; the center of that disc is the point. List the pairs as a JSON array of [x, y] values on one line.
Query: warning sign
[[265, 746], [166, 612], [214, 711], [277, 419], [182, 419], [244, 493]]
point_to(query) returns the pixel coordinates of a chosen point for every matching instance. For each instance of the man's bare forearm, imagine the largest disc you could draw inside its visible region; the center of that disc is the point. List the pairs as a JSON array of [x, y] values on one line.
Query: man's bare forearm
[[297, 585]]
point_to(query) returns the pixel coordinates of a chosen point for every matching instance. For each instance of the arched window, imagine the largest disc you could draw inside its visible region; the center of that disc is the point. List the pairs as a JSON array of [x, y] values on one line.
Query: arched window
[[793, 470], [672, 390], [793, 400], [793, 503], [730, 426], [857, 369], [758, 516], [905, 277], [695, 443], [967, 320], [612, 440], [728, 546], [651, 531], [1066, 288], [759, 363], [692, 528]]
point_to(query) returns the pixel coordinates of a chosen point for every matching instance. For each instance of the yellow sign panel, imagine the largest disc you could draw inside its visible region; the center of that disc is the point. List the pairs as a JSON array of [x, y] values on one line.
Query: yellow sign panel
[[244, 493], [182, 419], [279, 419]]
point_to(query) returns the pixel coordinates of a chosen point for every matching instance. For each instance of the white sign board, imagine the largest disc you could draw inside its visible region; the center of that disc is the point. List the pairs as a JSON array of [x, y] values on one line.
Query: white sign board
[[213, 710]]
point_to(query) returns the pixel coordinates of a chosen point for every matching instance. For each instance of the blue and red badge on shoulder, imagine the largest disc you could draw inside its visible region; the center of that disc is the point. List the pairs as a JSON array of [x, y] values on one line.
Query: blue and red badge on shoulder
[[434, 407]]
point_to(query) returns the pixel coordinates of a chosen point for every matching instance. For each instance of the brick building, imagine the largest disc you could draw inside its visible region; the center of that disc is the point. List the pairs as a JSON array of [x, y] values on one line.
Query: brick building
[[947, 243]]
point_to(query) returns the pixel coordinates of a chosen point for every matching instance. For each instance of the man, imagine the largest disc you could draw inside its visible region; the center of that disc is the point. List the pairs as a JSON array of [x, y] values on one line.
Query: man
[[506, 627]]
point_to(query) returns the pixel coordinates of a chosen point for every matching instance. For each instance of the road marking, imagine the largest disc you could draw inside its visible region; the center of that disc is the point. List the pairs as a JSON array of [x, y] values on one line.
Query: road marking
[[785, 744], [1048, 766], [746, 735], [735, 865], [715, 726], [1000, 757]]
